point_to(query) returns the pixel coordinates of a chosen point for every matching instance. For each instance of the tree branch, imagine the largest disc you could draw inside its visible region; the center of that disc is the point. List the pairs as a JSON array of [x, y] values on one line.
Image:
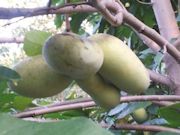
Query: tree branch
[[9, 13], [163, 103], [89, 103], [168, 28], [68, 25], [143, 128], [105, 7], [158, 78], [147, 41], [54, 109], [11, 40]]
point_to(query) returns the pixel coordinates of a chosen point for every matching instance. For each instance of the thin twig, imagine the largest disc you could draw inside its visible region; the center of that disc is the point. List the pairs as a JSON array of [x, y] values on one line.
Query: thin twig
[[149, 42], [90, 103], [68, 26], [54, 109], [163, 103], [11, 40], [9, 13], [144, 3], [62, 103], [158, 78], [143, 128]]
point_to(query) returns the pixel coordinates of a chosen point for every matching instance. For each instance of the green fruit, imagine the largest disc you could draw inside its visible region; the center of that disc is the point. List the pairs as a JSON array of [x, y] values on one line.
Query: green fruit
[[72, 55], [140, 115], [121, 66], [38, 80], [104, 94]]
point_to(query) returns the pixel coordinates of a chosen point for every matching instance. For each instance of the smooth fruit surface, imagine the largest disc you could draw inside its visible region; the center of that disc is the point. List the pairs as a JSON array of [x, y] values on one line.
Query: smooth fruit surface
[[72, 55], [121, 66], [104, 94], [38, 80], [140, 115]]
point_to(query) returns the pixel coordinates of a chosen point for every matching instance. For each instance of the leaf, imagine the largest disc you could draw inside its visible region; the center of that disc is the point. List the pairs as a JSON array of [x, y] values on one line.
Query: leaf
[[76, 126], [171, 114], [58, 21], [118, 109], [6, 101], [66, 114], [76, 21], [34, 41], [157, 121], [7, 73], [57, 2], [3, 86], [21, 103]]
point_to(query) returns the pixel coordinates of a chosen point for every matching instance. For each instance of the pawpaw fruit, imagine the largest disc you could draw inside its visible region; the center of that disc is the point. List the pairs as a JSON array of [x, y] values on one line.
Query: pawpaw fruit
[[121, 66], [38, 80], [104, 94], [140, 115], [72, 55]]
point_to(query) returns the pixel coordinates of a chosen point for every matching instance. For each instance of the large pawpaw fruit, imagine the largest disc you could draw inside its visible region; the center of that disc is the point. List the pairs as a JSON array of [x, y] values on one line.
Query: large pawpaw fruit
[[121, 66], [104, 94], [72, 55], [38, 80]]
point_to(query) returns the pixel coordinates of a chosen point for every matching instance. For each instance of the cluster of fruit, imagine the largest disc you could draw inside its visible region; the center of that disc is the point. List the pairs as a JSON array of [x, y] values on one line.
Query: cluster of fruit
[[101, 64]]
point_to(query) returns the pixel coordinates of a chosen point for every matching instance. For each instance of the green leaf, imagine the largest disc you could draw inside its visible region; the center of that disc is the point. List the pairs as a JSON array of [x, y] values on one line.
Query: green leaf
[[76, 21], [171, 114], [66, 114], [7, 73], [20, 103], [58, 21], [77, 126], [3, 85], [57, 2], [34, 41], [6, 101]]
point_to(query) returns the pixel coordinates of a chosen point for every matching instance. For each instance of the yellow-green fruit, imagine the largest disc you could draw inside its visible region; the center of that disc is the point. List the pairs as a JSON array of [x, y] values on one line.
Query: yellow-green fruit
[[72, 55], [121, 66], [140, 115], [38, 80], [104, 94]]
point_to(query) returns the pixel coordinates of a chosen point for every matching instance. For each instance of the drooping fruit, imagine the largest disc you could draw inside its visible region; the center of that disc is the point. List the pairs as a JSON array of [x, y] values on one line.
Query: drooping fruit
[[103, 93], [72, 55], [140, 115], [38, 80], [121, 66]]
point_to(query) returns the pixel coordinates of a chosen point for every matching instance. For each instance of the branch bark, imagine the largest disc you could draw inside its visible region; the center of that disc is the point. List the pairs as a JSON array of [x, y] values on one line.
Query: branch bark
[[169, 29], [144, 128], [11, 40], [9, 13], [89, 103], [158, 78]]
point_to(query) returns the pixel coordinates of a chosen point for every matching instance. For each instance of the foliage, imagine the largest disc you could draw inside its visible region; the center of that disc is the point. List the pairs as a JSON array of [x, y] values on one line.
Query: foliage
[[66, 127]]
